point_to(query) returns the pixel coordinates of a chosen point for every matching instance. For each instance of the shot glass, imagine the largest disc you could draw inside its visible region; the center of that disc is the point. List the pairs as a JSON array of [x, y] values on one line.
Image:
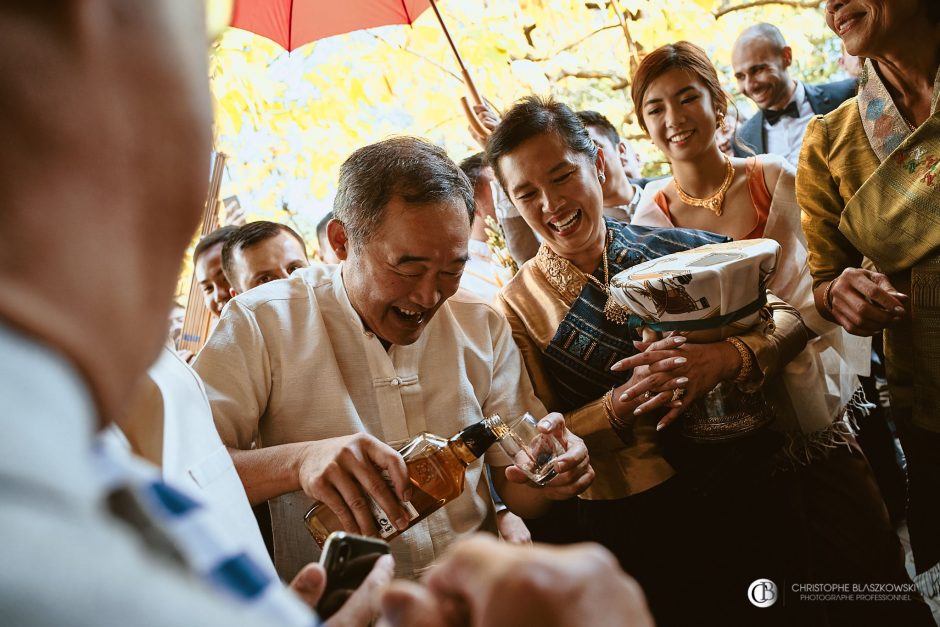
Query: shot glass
[[532, 451]]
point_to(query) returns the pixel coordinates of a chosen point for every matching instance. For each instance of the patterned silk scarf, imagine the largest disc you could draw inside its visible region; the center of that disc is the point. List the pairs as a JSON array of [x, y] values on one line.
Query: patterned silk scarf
[[587, 344]]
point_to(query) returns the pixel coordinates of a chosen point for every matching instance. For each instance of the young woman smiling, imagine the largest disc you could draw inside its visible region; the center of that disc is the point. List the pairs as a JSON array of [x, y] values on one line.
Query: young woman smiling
[[681, 104]]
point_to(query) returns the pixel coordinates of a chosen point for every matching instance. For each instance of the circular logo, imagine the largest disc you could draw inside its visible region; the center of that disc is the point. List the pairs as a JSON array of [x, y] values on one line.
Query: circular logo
[[762, 593]]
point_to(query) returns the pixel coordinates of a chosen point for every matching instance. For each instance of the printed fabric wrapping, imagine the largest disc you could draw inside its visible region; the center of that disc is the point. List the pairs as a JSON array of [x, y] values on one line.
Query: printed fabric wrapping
[[707, 294]]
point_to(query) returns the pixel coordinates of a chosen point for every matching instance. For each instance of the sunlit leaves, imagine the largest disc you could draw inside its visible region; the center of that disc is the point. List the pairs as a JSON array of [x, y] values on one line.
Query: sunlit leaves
[[288, 120]]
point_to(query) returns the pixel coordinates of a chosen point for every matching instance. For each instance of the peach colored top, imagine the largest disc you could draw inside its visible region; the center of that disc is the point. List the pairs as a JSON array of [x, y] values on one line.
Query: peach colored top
[[756, 187]]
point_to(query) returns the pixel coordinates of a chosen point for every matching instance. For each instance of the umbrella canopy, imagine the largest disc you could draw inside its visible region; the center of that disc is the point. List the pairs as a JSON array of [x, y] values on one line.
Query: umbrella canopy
[[293, 23]]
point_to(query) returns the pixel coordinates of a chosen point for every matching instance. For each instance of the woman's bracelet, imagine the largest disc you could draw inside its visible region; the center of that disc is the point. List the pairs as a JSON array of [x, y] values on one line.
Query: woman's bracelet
[[827, 295], [747, 360], [615, 421]]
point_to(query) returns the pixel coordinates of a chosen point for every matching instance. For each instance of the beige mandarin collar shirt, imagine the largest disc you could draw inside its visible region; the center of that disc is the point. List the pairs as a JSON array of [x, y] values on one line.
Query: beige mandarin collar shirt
[[291, 361]]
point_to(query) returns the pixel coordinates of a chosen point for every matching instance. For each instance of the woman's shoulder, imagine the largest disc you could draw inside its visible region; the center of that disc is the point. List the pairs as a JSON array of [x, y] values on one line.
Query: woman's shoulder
[[523, 284], [842, 126], [776, 170]]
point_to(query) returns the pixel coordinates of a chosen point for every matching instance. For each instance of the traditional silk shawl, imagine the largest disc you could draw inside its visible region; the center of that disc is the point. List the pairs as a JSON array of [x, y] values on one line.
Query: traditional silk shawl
[[894, 220], [814, 388], [905, 229], [587, 344]]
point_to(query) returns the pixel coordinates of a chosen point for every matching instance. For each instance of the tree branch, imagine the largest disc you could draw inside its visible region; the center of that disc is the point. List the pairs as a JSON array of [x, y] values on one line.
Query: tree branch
[[420, 56], [574, 44], [798, 4], [619, 82]]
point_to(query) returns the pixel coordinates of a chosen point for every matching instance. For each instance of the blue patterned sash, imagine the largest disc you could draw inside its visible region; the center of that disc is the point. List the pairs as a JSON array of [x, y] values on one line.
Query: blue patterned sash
[[587, 344]]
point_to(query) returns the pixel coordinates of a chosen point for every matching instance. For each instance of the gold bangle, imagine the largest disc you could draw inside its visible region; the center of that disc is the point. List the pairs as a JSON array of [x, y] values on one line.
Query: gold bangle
[[747, 360], [615, 421], [827, 295]]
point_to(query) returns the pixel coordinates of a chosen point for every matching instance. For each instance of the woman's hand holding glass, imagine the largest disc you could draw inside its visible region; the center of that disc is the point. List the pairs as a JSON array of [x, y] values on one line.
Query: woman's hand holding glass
[[570, 464], [670, 364]]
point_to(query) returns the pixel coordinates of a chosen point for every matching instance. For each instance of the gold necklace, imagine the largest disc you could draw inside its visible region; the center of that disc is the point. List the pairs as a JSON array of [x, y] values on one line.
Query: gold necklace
[[712, 203], [563, 275]]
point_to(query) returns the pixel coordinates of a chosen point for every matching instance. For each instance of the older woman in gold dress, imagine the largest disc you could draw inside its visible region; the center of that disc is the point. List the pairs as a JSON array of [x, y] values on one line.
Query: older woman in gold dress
[[869, 185], [571, 335]]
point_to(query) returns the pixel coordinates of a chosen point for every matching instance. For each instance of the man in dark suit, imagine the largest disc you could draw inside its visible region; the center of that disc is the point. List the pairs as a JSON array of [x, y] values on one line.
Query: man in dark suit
[[761, 60]]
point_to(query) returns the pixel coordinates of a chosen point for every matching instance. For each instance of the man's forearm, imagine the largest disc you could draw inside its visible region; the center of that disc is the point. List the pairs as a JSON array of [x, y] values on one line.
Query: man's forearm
[[269, 472]]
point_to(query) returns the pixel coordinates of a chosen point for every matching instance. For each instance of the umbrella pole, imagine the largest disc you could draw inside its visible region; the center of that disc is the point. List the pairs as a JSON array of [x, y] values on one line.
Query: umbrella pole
[[463, 69], [467, 109]]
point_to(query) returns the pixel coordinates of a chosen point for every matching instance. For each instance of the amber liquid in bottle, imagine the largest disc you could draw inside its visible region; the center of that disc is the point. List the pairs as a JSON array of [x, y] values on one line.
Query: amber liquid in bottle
[[436, 469]]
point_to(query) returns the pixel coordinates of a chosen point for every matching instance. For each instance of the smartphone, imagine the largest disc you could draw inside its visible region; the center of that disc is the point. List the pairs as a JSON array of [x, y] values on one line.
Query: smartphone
[[348, 559]]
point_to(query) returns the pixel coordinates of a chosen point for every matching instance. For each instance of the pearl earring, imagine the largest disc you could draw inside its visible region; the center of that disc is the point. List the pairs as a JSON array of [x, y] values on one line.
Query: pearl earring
[[601, 177]]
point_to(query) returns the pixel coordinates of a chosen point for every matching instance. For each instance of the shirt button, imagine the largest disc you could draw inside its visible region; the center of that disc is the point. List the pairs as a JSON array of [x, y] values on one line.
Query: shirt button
[[396, 381]]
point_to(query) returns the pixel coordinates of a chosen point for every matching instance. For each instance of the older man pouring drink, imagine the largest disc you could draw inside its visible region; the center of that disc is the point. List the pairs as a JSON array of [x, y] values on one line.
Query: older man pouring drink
[[322, 370]]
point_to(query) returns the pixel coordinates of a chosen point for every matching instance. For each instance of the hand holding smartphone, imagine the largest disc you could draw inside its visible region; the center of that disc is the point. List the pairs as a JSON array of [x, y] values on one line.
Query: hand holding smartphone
[[347, 559]]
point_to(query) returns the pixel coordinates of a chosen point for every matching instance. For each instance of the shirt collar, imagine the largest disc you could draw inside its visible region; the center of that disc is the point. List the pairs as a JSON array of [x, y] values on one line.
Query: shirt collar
[[342, 297], [799, 94]]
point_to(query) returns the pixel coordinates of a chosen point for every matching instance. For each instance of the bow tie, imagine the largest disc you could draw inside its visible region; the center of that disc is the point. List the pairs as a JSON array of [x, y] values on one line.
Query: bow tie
[[773, 117]]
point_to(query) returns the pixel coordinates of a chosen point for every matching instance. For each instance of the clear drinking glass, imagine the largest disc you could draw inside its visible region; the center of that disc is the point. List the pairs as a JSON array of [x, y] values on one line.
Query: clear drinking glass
[[532, 451]]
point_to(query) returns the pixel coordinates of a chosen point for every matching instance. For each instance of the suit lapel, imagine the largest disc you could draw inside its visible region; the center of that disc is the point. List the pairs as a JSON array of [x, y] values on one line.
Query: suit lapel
[[752, 135], [819, 99]]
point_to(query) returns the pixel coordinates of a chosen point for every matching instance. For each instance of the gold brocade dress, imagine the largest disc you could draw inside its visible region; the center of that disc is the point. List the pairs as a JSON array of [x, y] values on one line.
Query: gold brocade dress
[[535, 302]]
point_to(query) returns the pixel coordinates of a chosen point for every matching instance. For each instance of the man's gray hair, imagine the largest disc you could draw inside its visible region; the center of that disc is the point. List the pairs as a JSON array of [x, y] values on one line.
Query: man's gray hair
[[409, 168]]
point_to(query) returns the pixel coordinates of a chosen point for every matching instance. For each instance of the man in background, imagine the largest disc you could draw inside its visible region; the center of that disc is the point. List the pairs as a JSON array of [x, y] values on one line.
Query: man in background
[[621, 195], [482, 275], [207, 264], [260, 252], [761, 61]]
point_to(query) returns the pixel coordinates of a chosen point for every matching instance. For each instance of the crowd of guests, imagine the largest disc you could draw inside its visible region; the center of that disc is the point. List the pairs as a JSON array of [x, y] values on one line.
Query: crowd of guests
[[442, 294]]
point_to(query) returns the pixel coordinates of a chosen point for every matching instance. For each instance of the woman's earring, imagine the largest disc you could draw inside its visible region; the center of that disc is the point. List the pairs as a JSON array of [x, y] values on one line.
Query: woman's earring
[[601, 177], [722, 124]]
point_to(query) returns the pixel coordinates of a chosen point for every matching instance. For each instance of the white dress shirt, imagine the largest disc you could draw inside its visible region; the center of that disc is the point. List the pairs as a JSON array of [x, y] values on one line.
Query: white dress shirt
[[785, 138], [66, 560], [194, 459]]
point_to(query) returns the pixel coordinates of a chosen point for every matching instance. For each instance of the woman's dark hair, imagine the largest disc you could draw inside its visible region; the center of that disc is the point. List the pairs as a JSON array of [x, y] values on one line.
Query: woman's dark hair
[[681, 55], [532, 116]]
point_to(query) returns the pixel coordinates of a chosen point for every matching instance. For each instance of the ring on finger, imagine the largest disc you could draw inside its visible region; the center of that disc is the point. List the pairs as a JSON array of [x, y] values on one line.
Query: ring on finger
[[647, 395], [677, 394]]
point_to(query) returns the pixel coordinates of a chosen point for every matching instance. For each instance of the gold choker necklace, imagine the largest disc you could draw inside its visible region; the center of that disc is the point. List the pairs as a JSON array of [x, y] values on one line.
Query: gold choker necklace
[[714, 202]]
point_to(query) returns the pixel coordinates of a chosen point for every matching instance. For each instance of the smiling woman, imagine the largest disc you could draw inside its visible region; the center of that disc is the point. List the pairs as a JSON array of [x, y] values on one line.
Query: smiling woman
[[572, 335], [868, 186], [817, 395]]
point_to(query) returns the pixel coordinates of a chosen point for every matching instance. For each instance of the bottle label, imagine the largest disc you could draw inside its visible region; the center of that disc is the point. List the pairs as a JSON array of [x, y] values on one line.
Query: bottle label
[[386, 526]]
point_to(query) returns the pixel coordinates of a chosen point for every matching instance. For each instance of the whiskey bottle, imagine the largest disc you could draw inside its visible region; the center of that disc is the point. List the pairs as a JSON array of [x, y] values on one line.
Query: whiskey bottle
[[436, 469]]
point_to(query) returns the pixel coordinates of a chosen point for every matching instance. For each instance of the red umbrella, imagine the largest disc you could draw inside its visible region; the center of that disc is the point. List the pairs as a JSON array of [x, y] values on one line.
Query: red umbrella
[[293, 23]]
